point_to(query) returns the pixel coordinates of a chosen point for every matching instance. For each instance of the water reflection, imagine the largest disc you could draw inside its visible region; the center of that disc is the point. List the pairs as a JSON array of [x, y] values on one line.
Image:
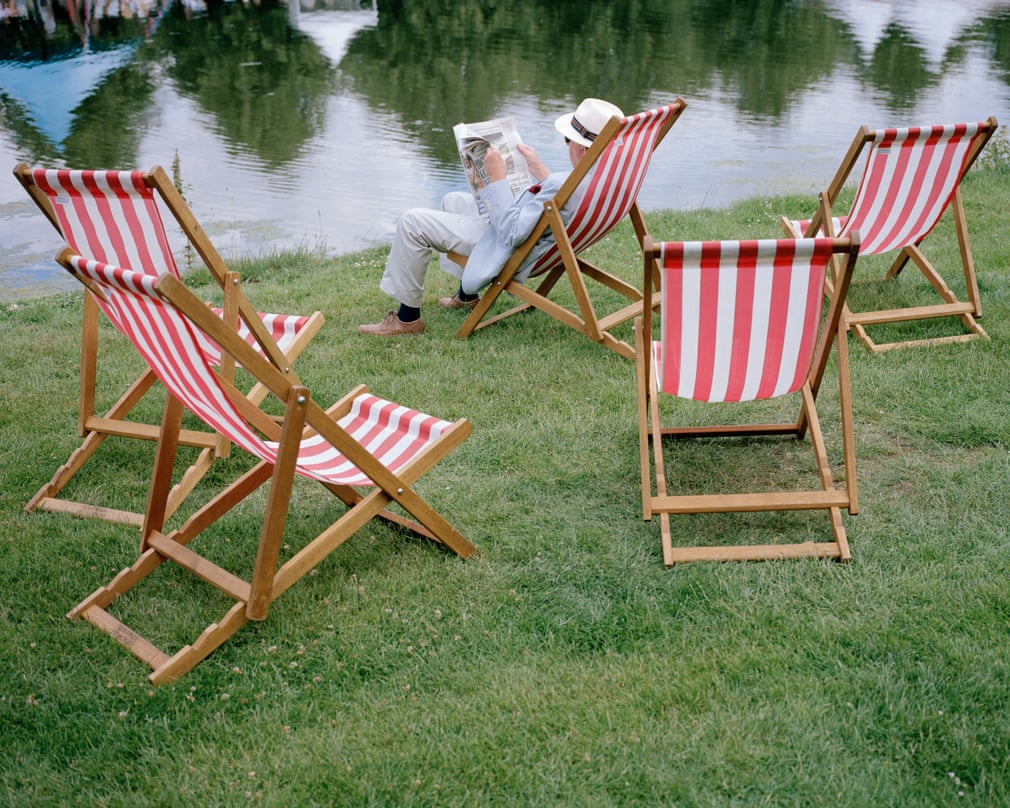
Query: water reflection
[[317, 123]]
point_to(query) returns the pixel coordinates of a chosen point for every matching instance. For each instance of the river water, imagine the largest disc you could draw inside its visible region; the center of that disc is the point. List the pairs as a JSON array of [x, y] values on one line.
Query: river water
[[314, 125]]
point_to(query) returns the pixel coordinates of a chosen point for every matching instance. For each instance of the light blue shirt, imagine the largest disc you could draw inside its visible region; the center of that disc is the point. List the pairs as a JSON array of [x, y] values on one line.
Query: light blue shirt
[[511, 222]]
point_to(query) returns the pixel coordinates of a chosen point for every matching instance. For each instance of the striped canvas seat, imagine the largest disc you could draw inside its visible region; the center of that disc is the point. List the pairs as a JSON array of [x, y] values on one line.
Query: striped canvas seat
[[743, 321], [739, 319], [616, 167], [116, 216], [363, 441], [911, 177]]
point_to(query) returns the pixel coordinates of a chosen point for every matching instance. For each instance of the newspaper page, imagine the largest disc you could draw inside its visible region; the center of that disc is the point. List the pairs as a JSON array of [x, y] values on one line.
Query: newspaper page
[[473, 141]]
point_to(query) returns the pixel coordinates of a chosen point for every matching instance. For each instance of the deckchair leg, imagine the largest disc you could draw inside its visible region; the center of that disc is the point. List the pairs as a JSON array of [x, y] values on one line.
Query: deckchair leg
[[666, 536], [114, 424], [96, 432], [261, 584], [186, 658], [484, 304], [164, 461], [643, 368], [841, 541], [757, 552], [89, 361], [191, 477], [518, 289], [964, 246]]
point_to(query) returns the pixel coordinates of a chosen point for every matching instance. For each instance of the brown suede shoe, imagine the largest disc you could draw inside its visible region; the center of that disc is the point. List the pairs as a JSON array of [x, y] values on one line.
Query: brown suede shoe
[[392, 326], [455, 302]]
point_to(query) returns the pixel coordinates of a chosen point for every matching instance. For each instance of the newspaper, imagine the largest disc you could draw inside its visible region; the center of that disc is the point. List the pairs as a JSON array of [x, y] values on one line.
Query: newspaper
[[473, 141]]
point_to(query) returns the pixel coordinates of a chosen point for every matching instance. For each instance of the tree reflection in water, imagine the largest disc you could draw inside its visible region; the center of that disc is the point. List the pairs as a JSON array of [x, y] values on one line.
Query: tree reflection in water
[[319, 123]]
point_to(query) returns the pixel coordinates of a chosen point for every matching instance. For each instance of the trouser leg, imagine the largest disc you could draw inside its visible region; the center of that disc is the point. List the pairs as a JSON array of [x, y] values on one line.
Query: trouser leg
[[420, 233]]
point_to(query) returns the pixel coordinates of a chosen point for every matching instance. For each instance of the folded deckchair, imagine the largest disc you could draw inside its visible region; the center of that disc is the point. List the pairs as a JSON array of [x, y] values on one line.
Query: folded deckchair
[[361, 442], [116, 217], [741, 321], [617, 161], [911, 177]]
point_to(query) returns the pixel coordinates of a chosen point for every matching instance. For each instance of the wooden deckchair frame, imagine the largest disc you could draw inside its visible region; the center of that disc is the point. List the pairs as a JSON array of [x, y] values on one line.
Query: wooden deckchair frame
[[302, 419], [583, 318], [825, 221], [93, 427], [832, 497]]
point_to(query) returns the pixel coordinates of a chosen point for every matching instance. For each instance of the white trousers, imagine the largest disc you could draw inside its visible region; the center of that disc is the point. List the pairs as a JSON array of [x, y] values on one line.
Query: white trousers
[[423, 232]]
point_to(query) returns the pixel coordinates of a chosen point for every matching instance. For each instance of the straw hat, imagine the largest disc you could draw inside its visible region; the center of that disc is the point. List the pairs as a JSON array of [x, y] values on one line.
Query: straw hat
[[585, 123]]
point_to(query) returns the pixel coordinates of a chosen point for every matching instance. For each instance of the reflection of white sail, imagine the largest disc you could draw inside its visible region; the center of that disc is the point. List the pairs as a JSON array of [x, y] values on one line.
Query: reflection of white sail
[[933, 24], [332, 30], [51, 91]]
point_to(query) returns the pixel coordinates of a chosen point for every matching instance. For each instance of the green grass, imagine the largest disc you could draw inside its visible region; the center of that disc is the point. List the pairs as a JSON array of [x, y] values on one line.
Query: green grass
[[564, 665]]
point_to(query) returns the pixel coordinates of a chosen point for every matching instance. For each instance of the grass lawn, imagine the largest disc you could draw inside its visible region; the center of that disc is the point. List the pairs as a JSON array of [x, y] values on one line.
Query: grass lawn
[[564, 665]]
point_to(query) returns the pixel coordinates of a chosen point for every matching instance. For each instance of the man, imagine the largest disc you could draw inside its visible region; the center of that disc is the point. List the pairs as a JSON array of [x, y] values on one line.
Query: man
[[423, 232]]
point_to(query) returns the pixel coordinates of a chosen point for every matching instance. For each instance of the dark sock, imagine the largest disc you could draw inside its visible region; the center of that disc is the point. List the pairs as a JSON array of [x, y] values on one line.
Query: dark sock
[[464, 296], [408, 314]]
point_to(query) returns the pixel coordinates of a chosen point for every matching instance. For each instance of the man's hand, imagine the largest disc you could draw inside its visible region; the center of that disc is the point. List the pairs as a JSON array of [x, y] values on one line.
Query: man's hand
[[537, 169], [494, 164]]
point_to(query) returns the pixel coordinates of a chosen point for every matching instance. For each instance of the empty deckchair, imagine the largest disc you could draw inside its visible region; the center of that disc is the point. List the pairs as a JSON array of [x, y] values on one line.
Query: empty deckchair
[[741, 321], [362, 441], [116, 217], [911, 177], [618, 161]]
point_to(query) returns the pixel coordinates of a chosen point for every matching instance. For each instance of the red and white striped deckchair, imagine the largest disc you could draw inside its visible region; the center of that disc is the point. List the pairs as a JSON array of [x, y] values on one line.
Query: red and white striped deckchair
[[116, 217], [360, 442], [619, 160], [743, 321], [910, 178]]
